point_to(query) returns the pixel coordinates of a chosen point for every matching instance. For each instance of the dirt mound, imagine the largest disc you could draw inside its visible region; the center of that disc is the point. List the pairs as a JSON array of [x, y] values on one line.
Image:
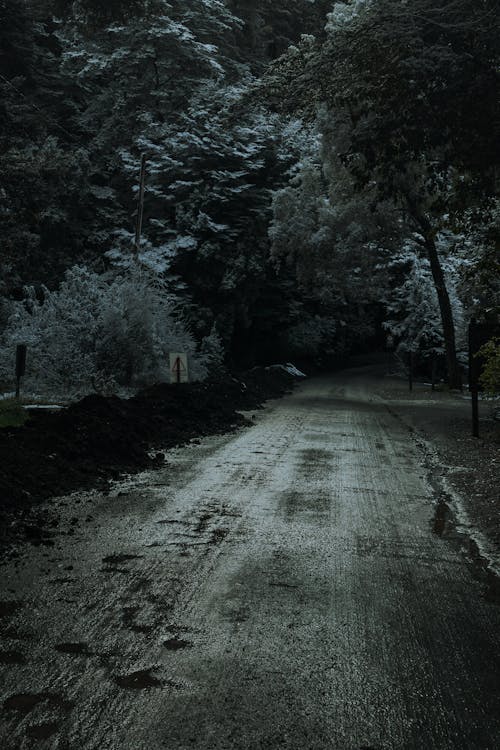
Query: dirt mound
[[99, 438]]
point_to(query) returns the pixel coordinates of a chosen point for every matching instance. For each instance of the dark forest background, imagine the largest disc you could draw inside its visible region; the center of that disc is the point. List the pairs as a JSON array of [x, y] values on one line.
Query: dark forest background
[[320, 178]]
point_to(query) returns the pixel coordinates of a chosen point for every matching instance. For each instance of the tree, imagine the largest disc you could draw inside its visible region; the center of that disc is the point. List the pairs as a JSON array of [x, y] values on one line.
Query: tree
[[100, 85], [42, 167], [412, 303], [270, 26], [402, 81], [325, 229]]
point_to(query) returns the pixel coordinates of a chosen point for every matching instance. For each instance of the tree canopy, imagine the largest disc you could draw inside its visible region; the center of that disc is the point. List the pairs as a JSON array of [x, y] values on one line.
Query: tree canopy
[[310, 165]]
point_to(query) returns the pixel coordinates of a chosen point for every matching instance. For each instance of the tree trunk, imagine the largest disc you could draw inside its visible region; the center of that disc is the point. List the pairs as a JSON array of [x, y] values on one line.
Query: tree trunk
[[453, 367], [426, 230]]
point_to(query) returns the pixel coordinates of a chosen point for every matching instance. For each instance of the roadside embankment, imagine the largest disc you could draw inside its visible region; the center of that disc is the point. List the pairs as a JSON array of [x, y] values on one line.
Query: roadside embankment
[[99, 438]]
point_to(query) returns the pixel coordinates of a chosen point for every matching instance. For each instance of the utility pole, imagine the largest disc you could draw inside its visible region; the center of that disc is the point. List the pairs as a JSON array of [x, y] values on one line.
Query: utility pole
[[140, 207]]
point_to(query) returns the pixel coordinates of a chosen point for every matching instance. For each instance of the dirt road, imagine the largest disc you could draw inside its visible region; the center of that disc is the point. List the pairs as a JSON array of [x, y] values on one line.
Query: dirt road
[[277, 588]]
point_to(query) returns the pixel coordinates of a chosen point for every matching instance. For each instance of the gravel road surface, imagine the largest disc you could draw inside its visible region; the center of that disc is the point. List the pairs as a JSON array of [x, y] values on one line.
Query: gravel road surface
[[280, 587]]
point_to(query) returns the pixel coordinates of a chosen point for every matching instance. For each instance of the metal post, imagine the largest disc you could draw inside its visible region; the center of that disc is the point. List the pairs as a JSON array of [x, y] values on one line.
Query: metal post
[[410, 369], [434, 371], [140, 207]]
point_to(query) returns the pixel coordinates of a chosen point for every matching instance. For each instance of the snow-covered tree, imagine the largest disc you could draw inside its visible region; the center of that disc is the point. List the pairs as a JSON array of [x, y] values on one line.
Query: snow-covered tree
[[323, 227], [44, 197], [208, 203], [412, 304]]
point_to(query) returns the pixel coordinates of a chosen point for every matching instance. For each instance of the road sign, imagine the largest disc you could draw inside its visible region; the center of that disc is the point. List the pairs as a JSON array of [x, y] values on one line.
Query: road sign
[[179, 372]]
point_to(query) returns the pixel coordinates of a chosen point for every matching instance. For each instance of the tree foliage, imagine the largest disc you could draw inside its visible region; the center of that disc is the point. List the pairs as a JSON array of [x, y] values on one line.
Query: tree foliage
[[490, 376], [95, 329], [311, 166], [411, 90]]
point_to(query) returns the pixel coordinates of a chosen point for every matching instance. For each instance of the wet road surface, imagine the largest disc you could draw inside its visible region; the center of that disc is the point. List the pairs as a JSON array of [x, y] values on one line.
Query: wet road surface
[[276, 588]]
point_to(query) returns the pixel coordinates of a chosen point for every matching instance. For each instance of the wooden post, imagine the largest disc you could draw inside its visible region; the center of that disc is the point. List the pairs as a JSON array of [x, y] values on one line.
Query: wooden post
[[475, 411], [140, 206], [474, 376], [20, 366]]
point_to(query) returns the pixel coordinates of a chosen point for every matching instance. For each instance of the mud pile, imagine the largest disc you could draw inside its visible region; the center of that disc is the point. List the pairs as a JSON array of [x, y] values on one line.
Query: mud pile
[[99, 438]]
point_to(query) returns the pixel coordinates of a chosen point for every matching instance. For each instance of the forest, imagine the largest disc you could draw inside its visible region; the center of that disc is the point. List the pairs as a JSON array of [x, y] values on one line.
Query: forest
[[320, 178]]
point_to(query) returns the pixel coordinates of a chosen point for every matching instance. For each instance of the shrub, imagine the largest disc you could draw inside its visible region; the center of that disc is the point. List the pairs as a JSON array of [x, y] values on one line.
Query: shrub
[[490, 376], [98, 331]]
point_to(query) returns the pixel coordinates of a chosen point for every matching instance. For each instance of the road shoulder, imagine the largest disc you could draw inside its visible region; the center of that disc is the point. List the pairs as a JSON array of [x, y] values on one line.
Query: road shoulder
[[464, 470]]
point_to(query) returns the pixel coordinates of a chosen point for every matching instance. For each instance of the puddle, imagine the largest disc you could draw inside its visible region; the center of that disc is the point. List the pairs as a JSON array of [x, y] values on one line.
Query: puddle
[[26, 702], [7, 609], [124, 571], [442, 518], [292, 503], [115, 559], [140, 680], [42, 731], [444, 526], [176, 644], [73, 648], [11, 657]]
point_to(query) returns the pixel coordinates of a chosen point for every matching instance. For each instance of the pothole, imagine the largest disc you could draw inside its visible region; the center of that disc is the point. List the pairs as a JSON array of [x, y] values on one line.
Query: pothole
[[11, 657], [7, 609], [140, 680], [79, 649], [42, 731], [26, 702]]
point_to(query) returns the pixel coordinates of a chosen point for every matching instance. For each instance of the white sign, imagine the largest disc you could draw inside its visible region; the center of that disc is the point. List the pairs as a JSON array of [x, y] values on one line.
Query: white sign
[[179, 372]]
